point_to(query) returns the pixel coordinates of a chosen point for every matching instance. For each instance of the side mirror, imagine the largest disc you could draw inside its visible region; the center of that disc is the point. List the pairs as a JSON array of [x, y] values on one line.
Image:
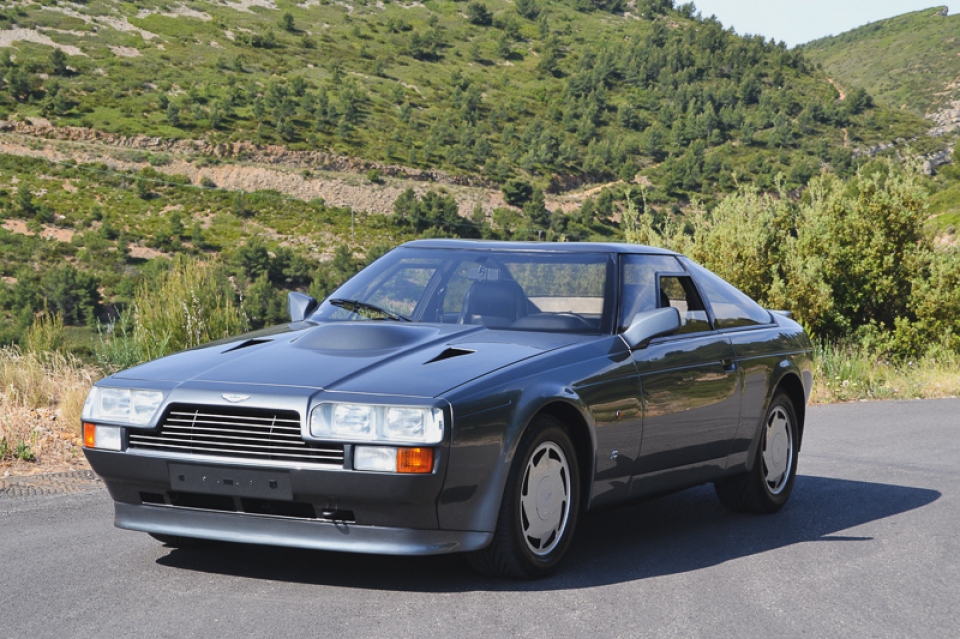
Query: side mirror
[[300, 306], [649, 324]]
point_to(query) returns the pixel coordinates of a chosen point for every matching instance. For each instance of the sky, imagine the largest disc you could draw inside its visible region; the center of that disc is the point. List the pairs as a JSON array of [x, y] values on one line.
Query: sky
[[799, 21]]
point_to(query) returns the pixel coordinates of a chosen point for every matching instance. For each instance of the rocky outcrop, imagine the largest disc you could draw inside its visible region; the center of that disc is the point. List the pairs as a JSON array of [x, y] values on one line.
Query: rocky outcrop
[[242, 151], [945, 120]]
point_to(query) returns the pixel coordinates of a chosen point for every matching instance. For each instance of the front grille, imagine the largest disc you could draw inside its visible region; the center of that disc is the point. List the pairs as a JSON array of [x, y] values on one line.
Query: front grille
[[238, 433]]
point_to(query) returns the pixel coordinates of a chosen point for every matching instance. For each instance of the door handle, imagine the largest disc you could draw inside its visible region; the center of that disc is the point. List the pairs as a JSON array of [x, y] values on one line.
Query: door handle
[[729, 365]]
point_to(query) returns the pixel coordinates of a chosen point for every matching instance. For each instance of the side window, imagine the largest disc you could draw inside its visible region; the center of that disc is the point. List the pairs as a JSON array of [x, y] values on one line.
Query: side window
[[731, 308], [679, 292], [638, 284]]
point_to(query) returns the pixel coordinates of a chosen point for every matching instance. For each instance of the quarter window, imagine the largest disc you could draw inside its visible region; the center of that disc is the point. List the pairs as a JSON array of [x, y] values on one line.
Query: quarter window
[[679, 292], [730, 307]]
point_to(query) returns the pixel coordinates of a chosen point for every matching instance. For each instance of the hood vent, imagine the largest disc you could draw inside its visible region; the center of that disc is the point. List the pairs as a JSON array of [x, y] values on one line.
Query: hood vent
[[450, 352], [248, 343]]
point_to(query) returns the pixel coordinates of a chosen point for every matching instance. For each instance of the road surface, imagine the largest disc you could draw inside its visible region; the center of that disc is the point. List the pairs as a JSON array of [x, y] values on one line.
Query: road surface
[[867, 547]]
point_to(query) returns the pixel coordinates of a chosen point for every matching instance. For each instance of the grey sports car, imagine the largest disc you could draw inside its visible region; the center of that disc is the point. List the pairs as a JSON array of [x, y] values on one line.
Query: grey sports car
[[461, 396]]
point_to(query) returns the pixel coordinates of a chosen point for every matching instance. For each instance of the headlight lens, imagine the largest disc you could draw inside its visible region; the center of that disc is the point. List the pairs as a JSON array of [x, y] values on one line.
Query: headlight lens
[[121, 405], [371, 422]]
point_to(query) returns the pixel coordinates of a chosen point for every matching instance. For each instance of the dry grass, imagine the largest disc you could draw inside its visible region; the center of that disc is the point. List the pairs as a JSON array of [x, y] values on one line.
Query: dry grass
[[850, 374], [42, 394], [41, 398]]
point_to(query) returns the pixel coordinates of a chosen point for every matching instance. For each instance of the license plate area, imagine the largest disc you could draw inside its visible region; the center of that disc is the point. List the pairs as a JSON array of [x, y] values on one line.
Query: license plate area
[[234, 482]]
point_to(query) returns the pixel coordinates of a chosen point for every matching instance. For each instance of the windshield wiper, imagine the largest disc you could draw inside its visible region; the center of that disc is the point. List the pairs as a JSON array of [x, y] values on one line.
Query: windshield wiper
[[356, 306]]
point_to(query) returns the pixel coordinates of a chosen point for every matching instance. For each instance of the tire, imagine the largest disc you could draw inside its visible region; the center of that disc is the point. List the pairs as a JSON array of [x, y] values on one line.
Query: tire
[[176, 541], [766, 488], [539, 509]]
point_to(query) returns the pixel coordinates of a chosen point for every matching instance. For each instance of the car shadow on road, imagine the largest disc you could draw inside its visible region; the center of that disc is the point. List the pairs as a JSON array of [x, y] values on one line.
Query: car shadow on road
[[679, 533]]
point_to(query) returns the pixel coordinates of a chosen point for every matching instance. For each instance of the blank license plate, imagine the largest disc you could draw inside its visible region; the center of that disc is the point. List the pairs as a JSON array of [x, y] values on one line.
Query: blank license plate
[[211, 480]]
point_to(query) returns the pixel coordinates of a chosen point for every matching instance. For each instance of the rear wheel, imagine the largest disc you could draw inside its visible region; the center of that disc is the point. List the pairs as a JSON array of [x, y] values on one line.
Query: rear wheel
[[766, 488], [538, 513]]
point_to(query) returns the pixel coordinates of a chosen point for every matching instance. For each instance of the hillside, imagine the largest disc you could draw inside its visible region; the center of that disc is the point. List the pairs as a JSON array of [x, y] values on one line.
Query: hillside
[[909, 62], [272, 134], [562, 93]]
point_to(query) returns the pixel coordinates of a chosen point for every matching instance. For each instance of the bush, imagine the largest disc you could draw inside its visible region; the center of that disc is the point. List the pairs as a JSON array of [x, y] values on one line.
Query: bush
[[189, 305], [851, 259]]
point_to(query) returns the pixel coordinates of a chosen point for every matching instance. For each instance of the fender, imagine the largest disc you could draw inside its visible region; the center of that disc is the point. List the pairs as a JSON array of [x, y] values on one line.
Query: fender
[[786, 369], [487, 439]]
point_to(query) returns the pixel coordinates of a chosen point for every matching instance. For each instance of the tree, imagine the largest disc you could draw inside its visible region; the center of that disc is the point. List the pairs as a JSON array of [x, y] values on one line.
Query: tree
[[858, 101], [549, 63], [287, 22], [60, 103], [516, 192], [253, 258], [529, 9], [263, 303], [478, 14], [25, 203], [505, 46], [143, 188], [58, 60], [18, 84], [240, 208], [173, 115], [535, 209], [71, 293]]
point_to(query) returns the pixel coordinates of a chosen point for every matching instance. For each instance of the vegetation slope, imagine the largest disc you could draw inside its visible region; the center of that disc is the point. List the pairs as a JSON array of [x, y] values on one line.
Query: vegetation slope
[[559, 92], [911, 61]]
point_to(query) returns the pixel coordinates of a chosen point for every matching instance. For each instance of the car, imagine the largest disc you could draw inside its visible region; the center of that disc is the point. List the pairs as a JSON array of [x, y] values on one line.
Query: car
[[462, 396]]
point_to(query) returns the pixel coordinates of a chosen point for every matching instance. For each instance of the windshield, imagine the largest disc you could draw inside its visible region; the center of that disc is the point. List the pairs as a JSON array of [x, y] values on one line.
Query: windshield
[[510, 290]]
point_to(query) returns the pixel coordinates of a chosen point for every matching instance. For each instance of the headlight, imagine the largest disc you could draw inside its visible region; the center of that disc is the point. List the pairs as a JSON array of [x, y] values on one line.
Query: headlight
[[121, 405], [371, 422]]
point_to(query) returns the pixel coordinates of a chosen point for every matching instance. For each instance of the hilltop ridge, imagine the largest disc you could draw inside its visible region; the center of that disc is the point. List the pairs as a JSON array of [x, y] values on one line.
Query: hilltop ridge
[[909, 62]]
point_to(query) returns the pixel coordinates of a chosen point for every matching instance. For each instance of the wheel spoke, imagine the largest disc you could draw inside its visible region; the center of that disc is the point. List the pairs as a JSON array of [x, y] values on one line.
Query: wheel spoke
[[544, 500], [777, 453]]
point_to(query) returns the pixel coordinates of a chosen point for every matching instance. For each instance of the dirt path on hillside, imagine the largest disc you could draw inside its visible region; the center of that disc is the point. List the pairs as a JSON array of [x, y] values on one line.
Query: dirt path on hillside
[[843, 95], [336, 189], [243, 166]]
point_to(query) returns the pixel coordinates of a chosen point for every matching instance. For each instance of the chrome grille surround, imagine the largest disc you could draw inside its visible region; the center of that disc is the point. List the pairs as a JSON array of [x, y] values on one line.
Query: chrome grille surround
[[232, 432]]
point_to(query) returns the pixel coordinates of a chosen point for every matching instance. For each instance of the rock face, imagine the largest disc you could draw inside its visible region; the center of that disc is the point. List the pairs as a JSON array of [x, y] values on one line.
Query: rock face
[[240, 152], [251, 167], [945, 120]]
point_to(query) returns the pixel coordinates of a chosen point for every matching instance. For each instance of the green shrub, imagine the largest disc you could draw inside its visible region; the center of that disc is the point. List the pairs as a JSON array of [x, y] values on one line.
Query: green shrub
[[189, 305], [45, 334], [850, 258]]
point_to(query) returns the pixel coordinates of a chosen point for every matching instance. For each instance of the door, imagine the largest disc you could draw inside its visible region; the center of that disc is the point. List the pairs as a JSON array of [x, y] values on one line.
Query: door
[[690, 390]]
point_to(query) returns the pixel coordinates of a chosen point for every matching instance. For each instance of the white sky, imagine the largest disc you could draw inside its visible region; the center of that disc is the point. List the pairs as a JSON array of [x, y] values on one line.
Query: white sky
[[799, 21]]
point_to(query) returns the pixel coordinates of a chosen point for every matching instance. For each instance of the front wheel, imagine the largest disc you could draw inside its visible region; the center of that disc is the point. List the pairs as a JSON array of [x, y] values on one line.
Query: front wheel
[[766, 488], [538, 513]]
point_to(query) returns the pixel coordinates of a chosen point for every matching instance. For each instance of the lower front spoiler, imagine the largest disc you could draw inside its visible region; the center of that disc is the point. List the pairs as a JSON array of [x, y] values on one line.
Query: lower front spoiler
[[295, 533]]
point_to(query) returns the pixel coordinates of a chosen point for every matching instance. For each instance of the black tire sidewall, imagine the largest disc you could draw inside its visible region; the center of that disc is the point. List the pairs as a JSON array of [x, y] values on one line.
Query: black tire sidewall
[[776, 502], [544, 429]]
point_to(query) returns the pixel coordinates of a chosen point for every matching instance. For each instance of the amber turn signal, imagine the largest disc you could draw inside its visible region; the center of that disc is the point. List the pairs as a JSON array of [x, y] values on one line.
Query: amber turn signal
[[89, 434], [414, 460]]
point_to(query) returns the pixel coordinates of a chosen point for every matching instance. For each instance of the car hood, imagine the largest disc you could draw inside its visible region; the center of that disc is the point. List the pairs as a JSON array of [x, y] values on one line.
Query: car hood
[[414, 360]]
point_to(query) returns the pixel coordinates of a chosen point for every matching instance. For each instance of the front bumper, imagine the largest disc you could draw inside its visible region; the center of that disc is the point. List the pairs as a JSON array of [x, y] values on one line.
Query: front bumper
[[295, 533], [320, 508]]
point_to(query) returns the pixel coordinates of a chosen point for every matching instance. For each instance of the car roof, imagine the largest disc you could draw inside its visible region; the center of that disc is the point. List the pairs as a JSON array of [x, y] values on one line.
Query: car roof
[[555, 247]]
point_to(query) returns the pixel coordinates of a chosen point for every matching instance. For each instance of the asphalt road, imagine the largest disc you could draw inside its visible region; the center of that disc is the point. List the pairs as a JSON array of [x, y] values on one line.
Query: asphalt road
[[867, 547]]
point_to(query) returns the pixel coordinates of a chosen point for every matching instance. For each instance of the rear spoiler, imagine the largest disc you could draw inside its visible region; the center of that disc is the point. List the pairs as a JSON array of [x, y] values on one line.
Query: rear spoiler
[[780, 312]]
